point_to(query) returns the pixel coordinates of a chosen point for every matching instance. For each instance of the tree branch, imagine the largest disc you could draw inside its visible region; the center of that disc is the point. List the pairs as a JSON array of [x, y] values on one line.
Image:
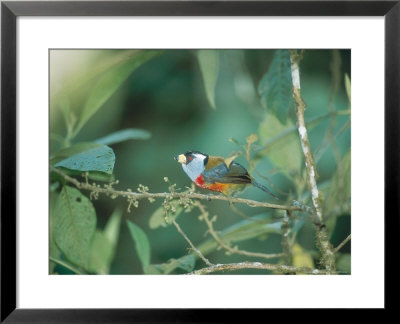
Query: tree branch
[[328, 255], [348, 238], [257, 265], [190, 243], [146, 195], [286, 239]]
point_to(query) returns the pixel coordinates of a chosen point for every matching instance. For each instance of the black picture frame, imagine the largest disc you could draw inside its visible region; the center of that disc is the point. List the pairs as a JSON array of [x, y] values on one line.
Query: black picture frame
[[10, 11]]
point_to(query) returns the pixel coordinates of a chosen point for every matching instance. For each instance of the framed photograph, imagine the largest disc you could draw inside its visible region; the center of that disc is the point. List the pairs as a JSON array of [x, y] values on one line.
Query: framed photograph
[[164, 155]]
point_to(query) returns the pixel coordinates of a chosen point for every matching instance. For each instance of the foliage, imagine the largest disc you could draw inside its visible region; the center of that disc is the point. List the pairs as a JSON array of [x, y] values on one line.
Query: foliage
[[209, 66], [275, 87], [74, 225], [99, 159], [283, 151], [73, 219], [124, 114], [142, 243]]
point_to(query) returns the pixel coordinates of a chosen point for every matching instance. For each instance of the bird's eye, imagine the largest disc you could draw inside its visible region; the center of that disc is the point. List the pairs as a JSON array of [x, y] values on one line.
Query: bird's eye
[[190, 158]]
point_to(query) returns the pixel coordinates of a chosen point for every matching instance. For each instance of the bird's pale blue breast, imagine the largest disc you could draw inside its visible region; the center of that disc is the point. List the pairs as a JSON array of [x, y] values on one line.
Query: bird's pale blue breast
[[194, 168]]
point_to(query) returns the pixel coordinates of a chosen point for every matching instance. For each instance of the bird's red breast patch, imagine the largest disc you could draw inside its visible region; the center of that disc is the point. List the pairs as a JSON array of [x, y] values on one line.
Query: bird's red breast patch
[[199, 181]]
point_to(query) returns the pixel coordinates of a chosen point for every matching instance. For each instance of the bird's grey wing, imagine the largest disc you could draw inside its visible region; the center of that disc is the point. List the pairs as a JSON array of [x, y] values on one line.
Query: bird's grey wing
[[222, 174]]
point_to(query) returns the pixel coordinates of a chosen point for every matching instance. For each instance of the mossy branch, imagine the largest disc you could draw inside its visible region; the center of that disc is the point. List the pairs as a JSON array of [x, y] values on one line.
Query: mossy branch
[[286, 240], [326, 249], [283, 269], [107, 190]]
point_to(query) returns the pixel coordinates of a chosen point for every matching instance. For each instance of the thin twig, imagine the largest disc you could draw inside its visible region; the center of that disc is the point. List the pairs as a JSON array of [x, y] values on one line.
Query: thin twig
[[227, 247], [348, 238], [328, 256], [257, 265], [146, 195], [285, 241], [190, 243]]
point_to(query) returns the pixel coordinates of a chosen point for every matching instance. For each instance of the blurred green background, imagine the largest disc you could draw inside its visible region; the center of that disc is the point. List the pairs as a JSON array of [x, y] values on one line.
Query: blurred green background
[[166, 94]]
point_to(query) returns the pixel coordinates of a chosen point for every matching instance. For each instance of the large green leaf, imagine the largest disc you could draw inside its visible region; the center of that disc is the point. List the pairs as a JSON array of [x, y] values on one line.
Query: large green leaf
[[284, 152], [54, 251], [209, 67], [74, 225], [124, 135], [275, 87], [72, 150], [110, 81], [100, 159], [142, 243], [103, 246]]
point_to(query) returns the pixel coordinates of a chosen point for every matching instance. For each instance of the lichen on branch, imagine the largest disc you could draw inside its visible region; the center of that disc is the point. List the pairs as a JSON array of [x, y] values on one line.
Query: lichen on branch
[[326, 249], [135, 196]]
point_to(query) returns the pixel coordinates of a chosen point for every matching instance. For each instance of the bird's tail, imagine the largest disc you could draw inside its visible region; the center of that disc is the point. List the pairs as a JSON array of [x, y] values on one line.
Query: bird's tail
[[265, 189]]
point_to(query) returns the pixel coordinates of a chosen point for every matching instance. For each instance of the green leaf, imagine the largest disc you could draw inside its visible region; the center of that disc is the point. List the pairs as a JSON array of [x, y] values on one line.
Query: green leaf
[[284, 152], [111, 230], [101, 254], [54, 251], [275, 87], [72, 150], [104, 244], [74, 225], [109, 82], [124, 135], [158, 217], [209, 67], [185, 263], [243, 230], [248, 229], [142, 243], [99, 159]]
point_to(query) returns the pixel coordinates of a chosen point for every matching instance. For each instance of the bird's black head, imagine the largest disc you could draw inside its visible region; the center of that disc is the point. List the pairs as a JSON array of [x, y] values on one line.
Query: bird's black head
[[190, 156]]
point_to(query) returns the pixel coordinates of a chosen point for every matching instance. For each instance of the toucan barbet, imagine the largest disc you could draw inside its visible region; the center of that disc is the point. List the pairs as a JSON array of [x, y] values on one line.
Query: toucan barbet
[[217, 174]]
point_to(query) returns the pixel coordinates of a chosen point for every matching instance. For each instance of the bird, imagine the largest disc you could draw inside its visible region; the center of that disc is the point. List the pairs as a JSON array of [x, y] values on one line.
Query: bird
[[218, 174]]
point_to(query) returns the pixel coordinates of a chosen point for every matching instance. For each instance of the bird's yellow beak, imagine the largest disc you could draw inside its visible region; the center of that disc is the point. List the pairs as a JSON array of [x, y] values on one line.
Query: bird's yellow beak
[[181, 158]]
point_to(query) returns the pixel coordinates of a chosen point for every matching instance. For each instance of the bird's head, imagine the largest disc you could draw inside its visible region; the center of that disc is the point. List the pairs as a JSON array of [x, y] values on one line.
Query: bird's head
[[193, 163]]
